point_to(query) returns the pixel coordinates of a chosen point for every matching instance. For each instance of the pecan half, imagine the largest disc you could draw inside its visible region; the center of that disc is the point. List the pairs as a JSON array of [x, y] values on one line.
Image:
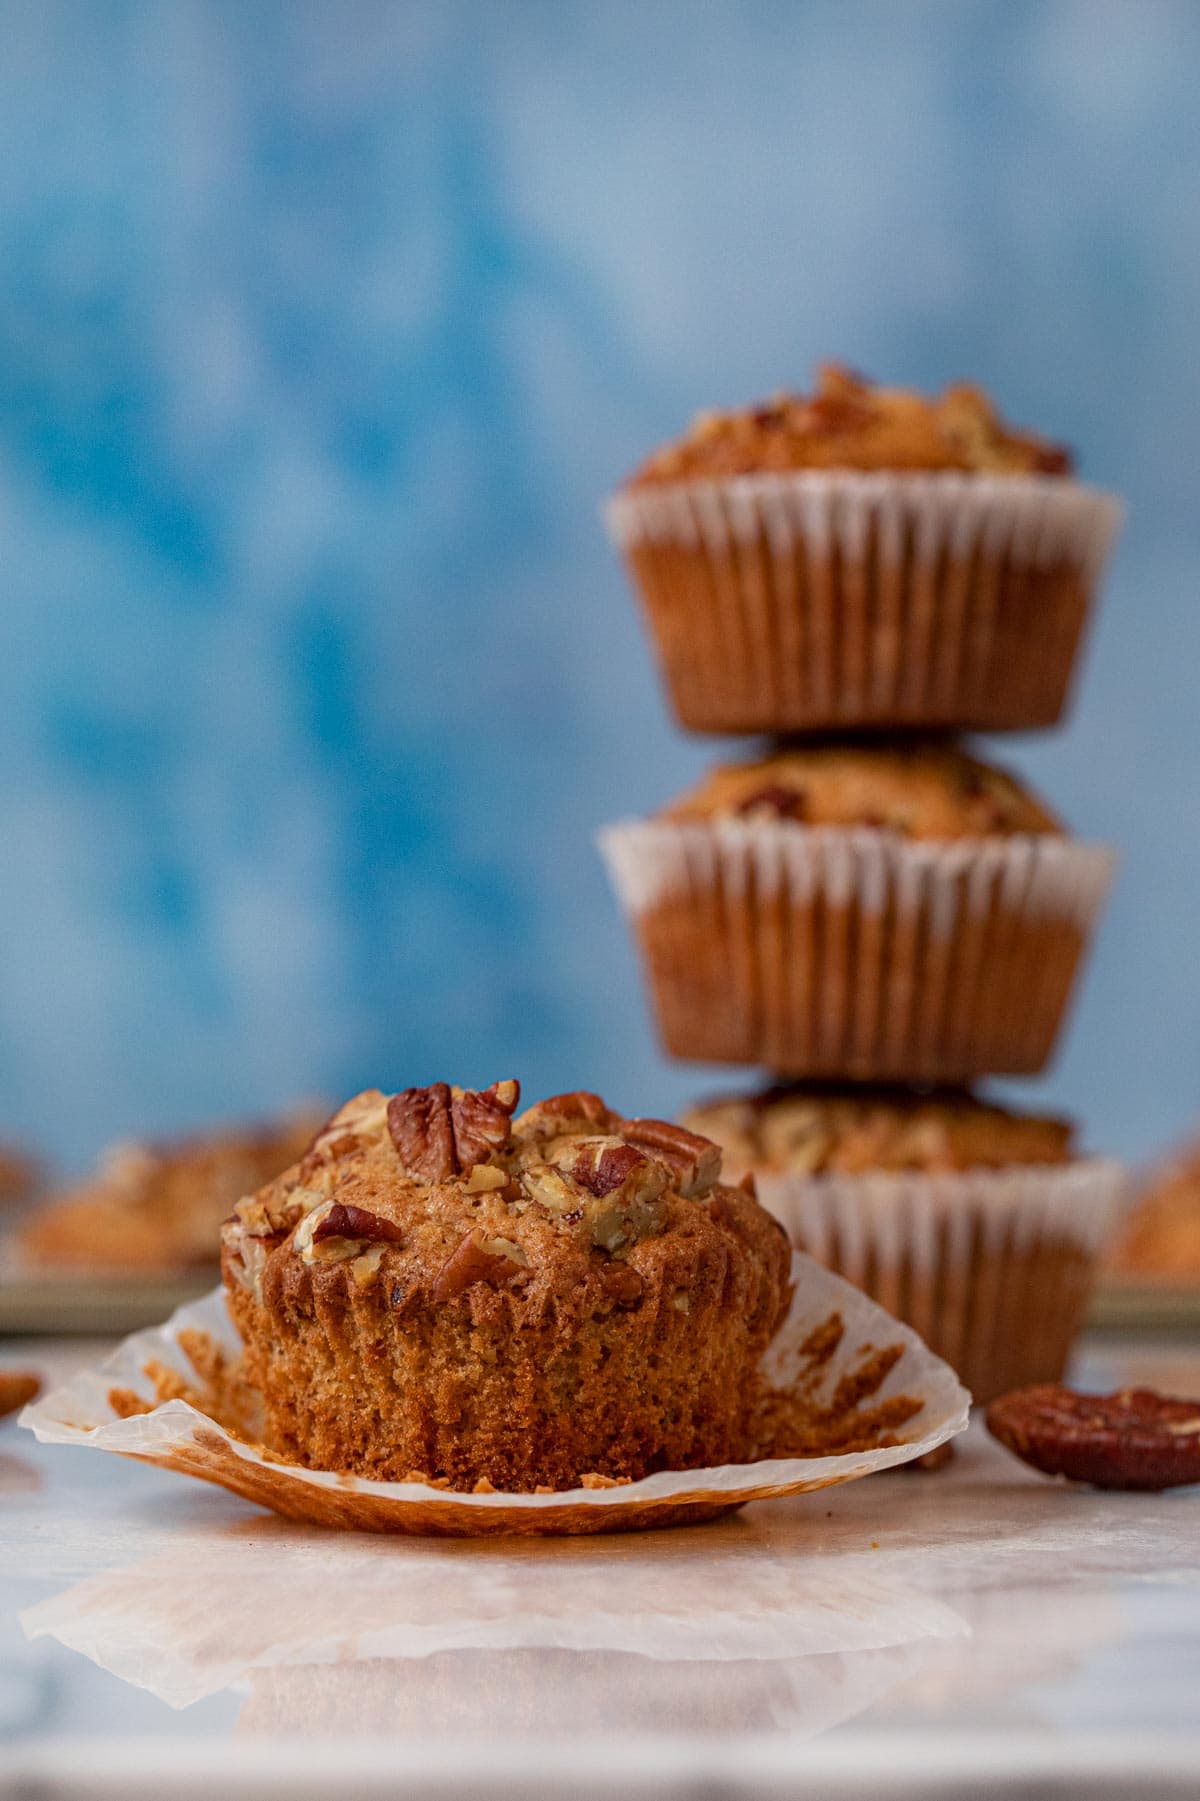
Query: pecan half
[[483, 1122], [561, 1114], [475, 1260], [439, 1133], [343, 1221], [419, 1122], [1133, 1438], [694, 1162]]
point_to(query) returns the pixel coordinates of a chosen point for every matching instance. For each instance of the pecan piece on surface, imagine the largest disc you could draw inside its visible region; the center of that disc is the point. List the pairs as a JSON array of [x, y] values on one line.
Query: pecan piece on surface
[[694, 1162], [439, 1132], [1133, 1438], [344, 1221], [561, 1114], [475, 1260]]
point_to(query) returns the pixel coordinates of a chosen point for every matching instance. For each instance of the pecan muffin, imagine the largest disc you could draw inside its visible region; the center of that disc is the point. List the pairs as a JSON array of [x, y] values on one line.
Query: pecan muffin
[[898, 912], [816, 1129], [442, 1291], [156, 1209], [863, 556], [1160, 1241], [979, 1227]]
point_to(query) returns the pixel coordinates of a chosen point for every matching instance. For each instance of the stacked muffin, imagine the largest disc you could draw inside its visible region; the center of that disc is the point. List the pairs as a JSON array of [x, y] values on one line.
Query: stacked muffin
[[858, 574]]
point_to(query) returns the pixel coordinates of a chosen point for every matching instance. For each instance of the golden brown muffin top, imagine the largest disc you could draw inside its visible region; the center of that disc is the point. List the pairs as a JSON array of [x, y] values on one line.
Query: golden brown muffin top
[[20, 1174], [933, 791], [1161, 1238], [814, 1128], [849, 423], [472, 1193], [157, 1208]]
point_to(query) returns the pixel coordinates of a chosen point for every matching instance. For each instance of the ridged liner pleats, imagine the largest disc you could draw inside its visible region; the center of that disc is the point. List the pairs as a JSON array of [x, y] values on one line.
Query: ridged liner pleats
[[992, 1268], [826, 951], [822, 599]]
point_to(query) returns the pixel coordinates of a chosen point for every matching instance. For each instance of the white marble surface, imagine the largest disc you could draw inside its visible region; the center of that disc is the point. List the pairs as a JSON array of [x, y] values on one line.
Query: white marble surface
[[980, 1629]]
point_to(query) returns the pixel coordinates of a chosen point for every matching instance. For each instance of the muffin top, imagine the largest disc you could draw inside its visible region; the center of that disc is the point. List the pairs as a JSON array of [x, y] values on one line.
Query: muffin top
[[1161, 1237], [160, 1206], [462, 1192], [849, 423], [933, 791], [812, 1129]]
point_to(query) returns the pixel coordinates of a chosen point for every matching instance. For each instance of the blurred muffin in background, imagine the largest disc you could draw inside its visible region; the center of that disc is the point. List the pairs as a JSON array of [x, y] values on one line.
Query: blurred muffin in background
[[977, 1226], [20, 1175], [1161, 1237], [863, 556], [157, 1209], [879, 910]]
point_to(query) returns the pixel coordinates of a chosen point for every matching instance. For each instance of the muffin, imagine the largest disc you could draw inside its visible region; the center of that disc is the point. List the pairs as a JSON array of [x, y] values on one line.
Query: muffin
[[156, 1210], [880, 912], [20, 1176], [863, 556], [1160, 1241], [979, 1227], [439, 1290]]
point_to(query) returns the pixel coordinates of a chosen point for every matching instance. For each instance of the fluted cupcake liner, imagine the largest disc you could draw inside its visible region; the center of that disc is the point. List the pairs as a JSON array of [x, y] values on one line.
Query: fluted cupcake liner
[[829, 951], [992, 1267], [820, 600], [821, 1347]]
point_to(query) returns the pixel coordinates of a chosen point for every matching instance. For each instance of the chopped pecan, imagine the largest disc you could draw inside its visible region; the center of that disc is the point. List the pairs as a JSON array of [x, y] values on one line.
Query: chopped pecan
[[439, 1132], [340, 1220], [601, 1164], [1134, 1438], [475, 1260], [362, 1117], [775, 802], [694, 1162], [563, 1113], [482, 1123]]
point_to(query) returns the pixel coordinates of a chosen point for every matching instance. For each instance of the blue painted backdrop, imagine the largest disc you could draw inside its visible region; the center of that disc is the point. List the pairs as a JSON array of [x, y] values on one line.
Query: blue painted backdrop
[[323, 329]]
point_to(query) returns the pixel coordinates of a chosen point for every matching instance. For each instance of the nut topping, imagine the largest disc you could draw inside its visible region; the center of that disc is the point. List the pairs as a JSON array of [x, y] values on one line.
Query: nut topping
[[601, 1164], [440, 1132], [1131, 1439], [579, 1113], [694, 1162], [475, 1260], [421, 1130], [774, 801], [342, 1221]]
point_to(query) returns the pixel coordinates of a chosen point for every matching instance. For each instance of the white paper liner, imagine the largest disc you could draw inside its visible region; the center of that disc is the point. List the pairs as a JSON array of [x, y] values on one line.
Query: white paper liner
[[1041, 875], [178, 1436], [1034, 520], [815, 598], [953, 979], [974, 1260], [1074, 1203]]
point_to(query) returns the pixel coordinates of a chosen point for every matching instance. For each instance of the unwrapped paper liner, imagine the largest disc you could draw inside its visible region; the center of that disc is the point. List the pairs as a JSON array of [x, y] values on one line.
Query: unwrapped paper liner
[[177, 1436], [810, 600], [852, 951], [993, 1267]]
